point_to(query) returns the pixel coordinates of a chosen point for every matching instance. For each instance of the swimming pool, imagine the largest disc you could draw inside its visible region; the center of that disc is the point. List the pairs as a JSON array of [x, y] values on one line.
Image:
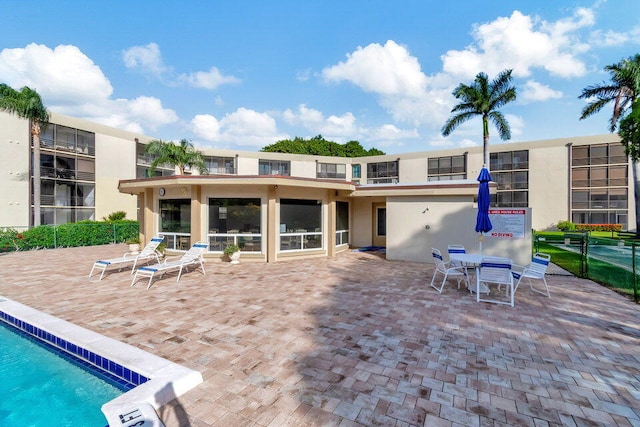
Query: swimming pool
[[42, 388], [153, 381]]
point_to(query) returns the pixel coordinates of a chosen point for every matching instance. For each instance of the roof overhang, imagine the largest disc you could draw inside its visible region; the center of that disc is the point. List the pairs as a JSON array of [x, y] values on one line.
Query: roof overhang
[[436, 188], [136, 186]]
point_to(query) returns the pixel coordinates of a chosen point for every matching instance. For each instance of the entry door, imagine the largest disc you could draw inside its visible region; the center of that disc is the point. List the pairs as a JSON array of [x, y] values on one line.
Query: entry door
[[379, 225]]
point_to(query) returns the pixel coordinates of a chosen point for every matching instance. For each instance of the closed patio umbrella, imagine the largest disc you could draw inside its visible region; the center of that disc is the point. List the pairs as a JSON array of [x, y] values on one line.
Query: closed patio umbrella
[[483, 223]]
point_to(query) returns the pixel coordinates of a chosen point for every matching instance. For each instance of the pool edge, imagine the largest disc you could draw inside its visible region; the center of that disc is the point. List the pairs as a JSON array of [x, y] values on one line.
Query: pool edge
[[166, 380]]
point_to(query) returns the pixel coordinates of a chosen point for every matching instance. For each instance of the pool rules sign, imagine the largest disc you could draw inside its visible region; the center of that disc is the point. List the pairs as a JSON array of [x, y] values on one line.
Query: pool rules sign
[[507, 223]]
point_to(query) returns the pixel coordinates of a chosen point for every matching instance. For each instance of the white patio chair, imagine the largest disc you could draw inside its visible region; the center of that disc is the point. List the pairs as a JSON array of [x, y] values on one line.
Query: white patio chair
[[459, 272], [496, 271], [536, 271], [147, 253], [456, 249], [192, 257]]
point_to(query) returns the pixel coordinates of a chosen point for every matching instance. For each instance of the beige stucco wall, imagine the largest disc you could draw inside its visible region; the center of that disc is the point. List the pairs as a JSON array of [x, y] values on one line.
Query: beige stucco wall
[[550, 185], [14, 167], [450, 220], [115, 160], [361, 233]]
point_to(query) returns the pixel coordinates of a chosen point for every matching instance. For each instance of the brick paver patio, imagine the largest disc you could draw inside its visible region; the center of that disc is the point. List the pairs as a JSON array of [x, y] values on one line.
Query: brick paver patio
[[355, 340]]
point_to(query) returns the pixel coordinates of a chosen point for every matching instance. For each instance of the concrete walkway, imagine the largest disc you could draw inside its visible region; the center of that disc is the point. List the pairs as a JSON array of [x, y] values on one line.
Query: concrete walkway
[[355, 340]]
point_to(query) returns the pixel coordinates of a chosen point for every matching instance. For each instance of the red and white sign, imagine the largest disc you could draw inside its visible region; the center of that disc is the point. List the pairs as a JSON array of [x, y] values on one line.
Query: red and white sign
[[507, 223]]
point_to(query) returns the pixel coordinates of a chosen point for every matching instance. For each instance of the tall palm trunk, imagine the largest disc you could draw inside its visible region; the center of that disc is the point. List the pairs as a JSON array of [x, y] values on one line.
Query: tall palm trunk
[[35, 131], [485, 141]]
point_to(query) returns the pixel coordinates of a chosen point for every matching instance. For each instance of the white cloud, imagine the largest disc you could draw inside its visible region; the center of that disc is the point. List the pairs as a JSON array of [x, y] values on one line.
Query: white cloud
[[523, 43], [612, 38], [148, 60], [63, 75], [386, 70], [534, 91], [208, 79], [315, 121], [242, 127], [70, 83]]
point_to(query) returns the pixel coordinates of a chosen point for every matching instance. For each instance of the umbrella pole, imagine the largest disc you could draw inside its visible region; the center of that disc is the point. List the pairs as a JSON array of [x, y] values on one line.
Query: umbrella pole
[[480, 237]]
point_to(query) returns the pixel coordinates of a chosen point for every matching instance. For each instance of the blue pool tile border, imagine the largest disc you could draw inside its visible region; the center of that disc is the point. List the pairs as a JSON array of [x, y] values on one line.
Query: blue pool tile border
[[121, 375]]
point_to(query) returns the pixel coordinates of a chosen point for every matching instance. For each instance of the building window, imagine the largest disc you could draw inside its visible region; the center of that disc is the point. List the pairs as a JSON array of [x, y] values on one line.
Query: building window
[[220, 165], [300, 224], [447, 168], [235, 221], [342, 223], [175, 223], [274, 167], [510, 170], [355, 172], [331, 170], [143, 163], [599, 184], [382, 172], [67, 174]]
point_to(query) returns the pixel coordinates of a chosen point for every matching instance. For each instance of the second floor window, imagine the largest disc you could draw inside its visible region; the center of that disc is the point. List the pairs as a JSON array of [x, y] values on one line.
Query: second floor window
[[331, 170], [220, 165], [382, 172], [274, 167]]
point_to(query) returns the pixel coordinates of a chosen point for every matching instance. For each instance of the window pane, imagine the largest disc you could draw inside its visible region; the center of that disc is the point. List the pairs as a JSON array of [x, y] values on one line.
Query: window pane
[[303, 215], [580, 177], [175, 215], [580, 156], [342, 216], [618, 175], [234, 215]]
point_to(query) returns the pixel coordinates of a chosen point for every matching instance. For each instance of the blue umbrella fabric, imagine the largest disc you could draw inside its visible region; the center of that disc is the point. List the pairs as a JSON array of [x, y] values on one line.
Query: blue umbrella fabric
[[483, 223]]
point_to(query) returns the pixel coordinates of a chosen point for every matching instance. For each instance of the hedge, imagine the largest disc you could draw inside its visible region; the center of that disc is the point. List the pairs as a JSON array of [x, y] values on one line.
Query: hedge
[[82, 233]]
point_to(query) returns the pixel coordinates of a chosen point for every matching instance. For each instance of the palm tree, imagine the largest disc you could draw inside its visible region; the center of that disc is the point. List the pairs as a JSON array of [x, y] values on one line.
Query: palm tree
[[483, 98], [624, 92], [182, 155], [27, 104]]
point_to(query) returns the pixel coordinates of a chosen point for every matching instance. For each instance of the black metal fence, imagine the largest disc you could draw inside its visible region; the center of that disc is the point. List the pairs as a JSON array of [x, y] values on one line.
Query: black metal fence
[[614, 262]]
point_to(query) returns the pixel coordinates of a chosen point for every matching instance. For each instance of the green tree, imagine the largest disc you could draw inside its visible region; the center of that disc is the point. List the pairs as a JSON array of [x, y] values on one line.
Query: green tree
[[483, 98], [182, 155], [318, 146], [26, 103], [622, 91]]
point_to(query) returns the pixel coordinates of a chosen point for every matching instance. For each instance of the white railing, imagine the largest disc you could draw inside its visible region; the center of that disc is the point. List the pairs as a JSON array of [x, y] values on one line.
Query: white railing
[[342, 237], [300, 241], [176, 241], [248, 242]]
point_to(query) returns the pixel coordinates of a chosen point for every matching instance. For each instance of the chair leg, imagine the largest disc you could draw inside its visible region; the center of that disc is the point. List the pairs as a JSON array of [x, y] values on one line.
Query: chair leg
[[433, 279], [545, 292]]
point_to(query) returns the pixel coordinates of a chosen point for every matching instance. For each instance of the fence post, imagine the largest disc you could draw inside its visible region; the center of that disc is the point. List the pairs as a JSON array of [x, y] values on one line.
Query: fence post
[[635, 274], [114, 233], [55, 237], [584, 250]]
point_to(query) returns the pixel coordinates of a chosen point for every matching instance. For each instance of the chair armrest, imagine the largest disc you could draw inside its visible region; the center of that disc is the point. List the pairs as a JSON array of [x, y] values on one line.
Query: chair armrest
[[518, 268], [130, 254]]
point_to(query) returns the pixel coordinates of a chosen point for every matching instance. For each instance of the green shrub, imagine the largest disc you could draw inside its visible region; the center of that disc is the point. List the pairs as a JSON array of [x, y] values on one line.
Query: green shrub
[[115, 216], [81, 233], [566, 226], [599, 227], [41, 237]]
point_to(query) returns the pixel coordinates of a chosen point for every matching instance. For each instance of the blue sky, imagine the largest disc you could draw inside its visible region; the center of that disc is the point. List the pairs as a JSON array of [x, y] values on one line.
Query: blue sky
[[245, 74]]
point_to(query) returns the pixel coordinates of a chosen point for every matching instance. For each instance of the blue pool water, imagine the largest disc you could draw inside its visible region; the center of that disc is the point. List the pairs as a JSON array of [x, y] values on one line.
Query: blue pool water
[[40, 388]]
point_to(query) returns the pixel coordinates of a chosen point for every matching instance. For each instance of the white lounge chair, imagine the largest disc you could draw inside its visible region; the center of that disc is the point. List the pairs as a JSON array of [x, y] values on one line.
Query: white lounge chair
[[149, 252], [192, 257], [459, 272]]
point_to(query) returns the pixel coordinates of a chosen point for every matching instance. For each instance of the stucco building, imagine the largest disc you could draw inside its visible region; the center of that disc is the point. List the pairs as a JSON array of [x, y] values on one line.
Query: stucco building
[[281, 205]]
